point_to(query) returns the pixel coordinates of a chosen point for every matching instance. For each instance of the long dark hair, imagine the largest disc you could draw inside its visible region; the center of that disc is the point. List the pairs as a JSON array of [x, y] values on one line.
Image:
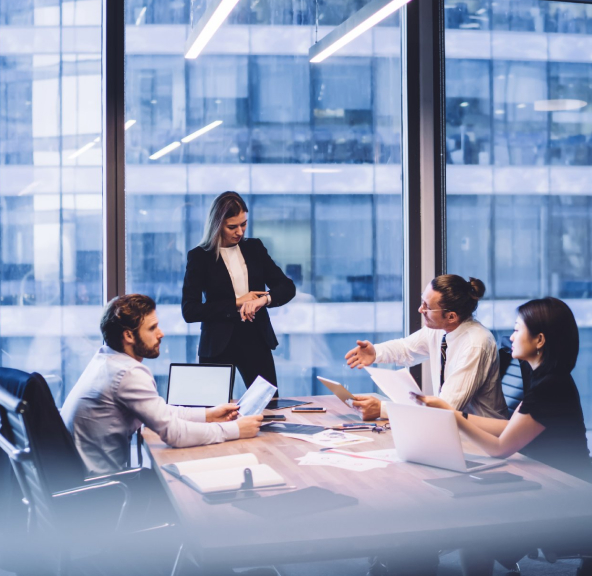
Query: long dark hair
[[554, 319], [458, 295], [226, 205]]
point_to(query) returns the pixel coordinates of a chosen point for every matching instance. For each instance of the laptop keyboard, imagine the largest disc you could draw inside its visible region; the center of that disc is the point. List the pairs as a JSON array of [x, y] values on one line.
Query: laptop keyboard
[[470, 464]]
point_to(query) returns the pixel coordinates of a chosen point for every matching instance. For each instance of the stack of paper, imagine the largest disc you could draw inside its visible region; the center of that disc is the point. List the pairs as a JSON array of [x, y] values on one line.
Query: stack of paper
[[396, 384]]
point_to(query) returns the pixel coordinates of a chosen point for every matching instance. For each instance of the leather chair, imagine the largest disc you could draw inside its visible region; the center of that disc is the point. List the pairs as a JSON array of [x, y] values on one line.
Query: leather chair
[[63, 513]]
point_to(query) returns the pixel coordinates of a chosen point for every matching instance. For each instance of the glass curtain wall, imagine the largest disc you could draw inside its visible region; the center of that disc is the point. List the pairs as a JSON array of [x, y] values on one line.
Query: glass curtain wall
[[519, 158], [50, 187], [315, 150]]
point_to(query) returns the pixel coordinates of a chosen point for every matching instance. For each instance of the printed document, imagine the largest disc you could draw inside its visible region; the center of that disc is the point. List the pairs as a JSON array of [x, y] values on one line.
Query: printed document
[[256, 398], [396, 384]]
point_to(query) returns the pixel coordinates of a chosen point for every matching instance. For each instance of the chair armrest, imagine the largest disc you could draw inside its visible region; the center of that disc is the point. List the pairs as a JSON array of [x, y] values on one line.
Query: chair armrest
[[121, 475], [102, 500]]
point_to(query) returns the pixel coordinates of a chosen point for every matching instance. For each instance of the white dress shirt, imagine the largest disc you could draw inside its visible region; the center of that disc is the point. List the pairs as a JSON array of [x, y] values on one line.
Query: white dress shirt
[[115, 395], [471, 376], [237, 268]]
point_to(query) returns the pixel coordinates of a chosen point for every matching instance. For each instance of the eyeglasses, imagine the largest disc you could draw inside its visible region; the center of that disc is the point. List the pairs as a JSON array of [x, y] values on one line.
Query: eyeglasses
[[381, 429], [424, 307]]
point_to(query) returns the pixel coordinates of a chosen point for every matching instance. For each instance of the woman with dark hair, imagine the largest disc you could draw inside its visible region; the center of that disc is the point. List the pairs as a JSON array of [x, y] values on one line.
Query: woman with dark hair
[[549, 424], [239, 281]]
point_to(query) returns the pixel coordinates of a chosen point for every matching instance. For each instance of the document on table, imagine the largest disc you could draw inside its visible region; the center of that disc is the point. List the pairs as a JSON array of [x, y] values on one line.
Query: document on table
[[340, 461], [256, 398], [388, 455], [396, 384], [330, 438]]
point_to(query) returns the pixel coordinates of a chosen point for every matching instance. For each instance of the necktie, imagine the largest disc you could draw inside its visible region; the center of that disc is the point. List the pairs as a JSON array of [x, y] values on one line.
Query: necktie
[[443, 347]]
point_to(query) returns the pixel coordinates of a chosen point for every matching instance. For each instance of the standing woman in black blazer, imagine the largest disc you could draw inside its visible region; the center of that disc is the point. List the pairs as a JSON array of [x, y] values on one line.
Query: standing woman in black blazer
[[232, 273]]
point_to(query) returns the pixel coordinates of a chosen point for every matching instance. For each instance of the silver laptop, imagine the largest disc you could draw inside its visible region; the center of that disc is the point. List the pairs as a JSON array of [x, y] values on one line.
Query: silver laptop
[[200, 384], [430, 436]]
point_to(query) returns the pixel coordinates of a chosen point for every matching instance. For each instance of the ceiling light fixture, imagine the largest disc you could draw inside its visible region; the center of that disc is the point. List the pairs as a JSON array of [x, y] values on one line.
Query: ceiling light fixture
[[165, 150], [558, 105], [207, 26], [129, 124], [364, 19], [201, 131]]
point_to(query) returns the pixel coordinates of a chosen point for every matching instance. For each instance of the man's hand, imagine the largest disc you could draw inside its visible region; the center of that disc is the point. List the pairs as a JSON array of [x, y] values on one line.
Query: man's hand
[[222, 413], [362, 355], [248, 297], [431, 401], [249, 425], [248, 309], [369, 406]]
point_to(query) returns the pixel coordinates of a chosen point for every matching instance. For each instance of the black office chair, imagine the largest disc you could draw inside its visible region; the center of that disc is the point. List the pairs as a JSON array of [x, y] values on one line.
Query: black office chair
[[88, 517], [511, 376]]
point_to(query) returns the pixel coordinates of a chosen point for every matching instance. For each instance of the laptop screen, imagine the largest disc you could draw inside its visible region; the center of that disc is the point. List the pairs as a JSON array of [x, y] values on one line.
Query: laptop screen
[[200, 384]]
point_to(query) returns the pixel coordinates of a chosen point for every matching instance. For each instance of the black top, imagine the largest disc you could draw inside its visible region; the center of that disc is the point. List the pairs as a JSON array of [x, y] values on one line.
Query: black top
[[552, 399], [208, 294]]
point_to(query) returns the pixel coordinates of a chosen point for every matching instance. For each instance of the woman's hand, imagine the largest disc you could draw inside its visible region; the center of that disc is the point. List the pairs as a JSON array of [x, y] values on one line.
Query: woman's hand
[[431, 401], [248, 297], [248, 309], [222, 413]]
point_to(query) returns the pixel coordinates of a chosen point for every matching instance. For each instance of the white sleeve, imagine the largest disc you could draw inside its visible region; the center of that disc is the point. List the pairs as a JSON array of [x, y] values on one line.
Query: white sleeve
[[461, 385], [178, 427], [408, 351]]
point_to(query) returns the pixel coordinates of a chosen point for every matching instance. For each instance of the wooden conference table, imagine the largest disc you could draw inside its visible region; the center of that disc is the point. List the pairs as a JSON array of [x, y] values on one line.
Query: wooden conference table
[[397, 512]]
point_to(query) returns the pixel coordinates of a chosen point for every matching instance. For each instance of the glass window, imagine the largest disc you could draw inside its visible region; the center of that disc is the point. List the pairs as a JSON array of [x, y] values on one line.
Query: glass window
[[315, 150], [519, 158], [50, 187]]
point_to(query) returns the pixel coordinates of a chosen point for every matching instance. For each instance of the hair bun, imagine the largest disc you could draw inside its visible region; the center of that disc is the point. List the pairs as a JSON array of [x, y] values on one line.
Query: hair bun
[[476, 288]]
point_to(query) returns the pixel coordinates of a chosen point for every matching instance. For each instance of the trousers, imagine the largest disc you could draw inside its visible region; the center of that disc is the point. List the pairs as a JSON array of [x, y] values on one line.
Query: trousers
[[249, 353]]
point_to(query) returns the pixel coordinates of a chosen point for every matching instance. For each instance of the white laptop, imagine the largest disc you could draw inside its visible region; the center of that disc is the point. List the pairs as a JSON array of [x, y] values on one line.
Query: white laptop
[[430, 436], [200, 384]]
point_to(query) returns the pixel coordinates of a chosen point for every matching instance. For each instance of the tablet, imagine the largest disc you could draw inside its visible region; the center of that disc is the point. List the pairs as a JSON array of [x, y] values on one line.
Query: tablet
[[281, 403], [200, 384]]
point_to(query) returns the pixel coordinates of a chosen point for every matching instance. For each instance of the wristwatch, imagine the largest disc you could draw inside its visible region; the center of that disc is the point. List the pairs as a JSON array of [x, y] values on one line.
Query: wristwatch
[[268, 299]]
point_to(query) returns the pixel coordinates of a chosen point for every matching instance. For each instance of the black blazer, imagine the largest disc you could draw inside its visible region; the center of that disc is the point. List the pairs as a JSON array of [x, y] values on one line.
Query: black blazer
[[218, 314]]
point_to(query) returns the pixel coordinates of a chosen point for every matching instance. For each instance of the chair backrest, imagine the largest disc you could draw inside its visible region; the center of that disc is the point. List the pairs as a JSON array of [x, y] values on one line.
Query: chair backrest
[[16, 442], [57, 453], [511, 376]]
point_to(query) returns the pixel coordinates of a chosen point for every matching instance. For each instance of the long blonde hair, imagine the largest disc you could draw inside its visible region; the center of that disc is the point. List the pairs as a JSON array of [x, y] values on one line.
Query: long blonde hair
[[226, 205]]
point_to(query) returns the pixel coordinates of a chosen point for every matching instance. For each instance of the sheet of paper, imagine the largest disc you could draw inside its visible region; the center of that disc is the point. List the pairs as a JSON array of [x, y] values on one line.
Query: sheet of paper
[[256, 398], [387, 455], [340, 461], [396, 384], [331, 438]]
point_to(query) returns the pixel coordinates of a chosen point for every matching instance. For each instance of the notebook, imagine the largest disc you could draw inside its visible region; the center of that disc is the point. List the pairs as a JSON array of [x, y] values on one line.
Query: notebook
[[223, 473], [464, 485]]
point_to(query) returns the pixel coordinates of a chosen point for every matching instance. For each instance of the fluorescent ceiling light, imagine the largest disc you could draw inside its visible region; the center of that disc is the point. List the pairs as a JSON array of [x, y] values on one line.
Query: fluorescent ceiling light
[[82, 150], [139, 18], [464, 104], [201, 131], [165, 150], [129, 124], [207, 26], [558, 105], [368, 16], [320, 170]]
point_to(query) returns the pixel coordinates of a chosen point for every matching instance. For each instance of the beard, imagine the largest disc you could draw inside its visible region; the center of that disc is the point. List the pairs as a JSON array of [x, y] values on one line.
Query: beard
[[141, 350]]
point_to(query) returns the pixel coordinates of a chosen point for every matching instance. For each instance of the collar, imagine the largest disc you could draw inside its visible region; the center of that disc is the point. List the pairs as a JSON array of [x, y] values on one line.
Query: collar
[[460, 330]]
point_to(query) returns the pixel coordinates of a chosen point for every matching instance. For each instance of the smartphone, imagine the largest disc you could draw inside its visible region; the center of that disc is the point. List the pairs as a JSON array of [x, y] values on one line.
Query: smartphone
[[314, 409], [270, 417], [495, 478]]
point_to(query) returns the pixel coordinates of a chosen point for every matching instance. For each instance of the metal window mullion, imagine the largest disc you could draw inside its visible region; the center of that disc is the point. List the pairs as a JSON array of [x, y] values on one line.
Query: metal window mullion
[[113, 74]]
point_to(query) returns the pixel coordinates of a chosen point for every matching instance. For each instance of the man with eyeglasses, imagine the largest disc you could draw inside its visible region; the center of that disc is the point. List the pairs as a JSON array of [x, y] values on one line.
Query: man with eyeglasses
[[462, 353]]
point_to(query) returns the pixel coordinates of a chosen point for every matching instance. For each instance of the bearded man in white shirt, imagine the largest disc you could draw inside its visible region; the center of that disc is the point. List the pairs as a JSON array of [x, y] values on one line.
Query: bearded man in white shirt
[[116, 394], [463, 355]]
